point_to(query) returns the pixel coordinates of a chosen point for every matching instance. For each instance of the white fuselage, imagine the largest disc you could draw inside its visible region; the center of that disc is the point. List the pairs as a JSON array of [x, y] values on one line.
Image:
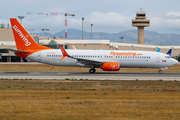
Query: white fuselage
[[133, 59]]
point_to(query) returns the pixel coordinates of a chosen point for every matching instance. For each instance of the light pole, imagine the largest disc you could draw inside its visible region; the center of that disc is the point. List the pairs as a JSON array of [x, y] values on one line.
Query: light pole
[[21, 17], [121, 39], [82, 27], [91, 31]]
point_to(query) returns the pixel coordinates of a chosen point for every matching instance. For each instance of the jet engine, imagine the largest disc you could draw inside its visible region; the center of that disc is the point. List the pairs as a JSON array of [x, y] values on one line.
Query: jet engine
[[111, 66]]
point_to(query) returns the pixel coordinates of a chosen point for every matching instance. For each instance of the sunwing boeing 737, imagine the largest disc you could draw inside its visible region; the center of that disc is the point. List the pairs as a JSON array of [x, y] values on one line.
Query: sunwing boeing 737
[[107, 60]]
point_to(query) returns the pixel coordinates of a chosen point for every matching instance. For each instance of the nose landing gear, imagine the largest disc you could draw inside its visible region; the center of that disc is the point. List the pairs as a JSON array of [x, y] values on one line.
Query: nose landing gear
[[159, 71], [92, 70]]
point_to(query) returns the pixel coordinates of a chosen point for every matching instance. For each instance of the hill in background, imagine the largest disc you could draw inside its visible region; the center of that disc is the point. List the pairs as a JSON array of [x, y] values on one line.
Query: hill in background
[[130, 36]]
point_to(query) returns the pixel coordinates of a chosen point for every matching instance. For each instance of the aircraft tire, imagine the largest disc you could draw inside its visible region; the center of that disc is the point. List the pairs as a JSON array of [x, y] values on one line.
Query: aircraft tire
[[160, 72], [92, 70]]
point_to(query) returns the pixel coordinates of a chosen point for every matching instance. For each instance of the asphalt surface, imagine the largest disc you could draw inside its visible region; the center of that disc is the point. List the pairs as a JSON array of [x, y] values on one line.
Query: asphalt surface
[[88, 76]]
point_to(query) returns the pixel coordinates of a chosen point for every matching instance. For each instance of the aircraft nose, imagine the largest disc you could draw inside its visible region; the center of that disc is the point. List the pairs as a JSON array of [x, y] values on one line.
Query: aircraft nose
[[174, 62]]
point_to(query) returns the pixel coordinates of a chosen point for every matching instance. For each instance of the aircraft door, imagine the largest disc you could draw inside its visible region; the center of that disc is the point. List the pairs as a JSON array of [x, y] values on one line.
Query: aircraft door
[[39, 56], [157, 58]]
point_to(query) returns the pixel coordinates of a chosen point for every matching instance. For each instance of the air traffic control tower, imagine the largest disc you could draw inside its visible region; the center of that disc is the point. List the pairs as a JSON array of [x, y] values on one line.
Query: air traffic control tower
[[140, 21]]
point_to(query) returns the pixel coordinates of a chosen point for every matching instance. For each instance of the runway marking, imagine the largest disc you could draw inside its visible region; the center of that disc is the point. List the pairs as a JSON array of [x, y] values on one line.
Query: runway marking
[[34, 73], [63, 73]]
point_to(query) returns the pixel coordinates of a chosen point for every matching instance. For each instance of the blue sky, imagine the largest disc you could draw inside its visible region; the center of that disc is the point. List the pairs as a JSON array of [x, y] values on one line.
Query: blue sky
[[106, 15]]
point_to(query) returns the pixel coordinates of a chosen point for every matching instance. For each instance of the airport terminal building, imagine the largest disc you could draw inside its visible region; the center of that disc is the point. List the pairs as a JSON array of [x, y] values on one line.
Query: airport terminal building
[[7, 41]]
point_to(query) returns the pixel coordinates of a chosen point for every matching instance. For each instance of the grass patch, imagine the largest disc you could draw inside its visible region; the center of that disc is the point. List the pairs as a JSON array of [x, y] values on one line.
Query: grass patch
[[67, 97], [93, 89], [50, 99]]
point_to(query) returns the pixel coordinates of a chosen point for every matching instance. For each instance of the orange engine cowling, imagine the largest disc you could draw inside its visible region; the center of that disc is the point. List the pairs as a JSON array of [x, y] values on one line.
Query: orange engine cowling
[[111, 66]]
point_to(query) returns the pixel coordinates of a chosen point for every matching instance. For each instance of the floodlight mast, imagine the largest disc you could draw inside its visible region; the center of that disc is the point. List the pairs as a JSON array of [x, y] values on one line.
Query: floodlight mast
[[67, 14], [21, 17]]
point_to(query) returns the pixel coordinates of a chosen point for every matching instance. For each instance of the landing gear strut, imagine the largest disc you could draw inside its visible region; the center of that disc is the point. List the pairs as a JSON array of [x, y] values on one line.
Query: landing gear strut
[[159, 71], [92, 70]]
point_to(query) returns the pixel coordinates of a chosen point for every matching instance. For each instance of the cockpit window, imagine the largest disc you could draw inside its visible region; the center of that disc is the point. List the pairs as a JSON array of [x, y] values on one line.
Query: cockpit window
[[168, 57]]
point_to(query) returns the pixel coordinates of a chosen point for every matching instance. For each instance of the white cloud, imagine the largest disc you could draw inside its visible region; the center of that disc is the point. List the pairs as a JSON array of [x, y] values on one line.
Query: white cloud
[[165, 24], [108, 19], [173, 14], [4, 21], [102, 22]]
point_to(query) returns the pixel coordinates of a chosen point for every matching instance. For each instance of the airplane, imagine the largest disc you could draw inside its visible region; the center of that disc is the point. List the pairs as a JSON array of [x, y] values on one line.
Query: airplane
[[107, 60]]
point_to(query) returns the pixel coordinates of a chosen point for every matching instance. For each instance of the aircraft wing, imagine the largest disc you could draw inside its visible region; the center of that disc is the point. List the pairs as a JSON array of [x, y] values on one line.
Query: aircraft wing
[[88, 62], [17, 51], [84, 62]]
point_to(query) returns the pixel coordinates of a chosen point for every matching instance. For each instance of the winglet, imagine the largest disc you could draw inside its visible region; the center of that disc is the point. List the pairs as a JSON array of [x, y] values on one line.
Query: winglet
[[158, 50], [63, 52], [169, 52], [73, 47]]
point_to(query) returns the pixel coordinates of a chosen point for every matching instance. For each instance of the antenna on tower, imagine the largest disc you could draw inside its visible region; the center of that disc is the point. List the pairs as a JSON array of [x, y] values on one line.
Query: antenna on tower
[[140, 10]]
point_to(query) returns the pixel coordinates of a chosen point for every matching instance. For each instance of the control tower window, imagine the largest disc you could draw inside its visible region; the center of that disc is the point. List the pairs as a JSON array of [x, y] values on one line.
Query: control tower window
[[140, 15]]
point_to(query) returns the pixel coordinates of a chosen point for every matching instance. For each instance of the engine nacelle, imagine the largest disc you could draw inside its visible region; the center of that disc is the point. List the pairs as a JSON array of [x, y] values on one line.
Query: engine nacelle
[[111, 66]]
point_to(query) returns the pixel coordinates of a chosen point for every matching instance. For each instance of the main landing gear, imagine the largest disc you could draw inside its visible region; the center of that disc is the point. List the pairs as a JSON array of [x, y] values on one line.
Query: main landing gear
[[159, 71], [92, 70]]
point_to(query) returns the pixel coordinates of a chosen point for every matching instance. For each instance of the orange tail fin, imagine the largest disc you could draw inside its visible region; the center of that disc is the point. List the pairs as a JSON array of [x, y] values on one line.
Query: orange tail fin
[[23, 39]]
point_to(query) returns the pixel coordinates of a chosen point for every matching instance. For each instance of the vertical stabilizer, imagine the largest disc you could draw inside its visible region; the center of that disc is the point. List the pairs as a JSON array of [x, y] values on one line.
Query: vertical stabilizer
[[169, 52], [23, 39], [158, 50]]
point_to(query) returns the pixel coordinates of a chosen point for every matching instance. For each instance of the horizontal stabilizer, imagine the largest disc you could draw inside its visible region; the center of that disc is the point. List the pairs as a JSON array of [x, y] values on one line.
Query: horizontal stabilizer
[[17, 51]]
